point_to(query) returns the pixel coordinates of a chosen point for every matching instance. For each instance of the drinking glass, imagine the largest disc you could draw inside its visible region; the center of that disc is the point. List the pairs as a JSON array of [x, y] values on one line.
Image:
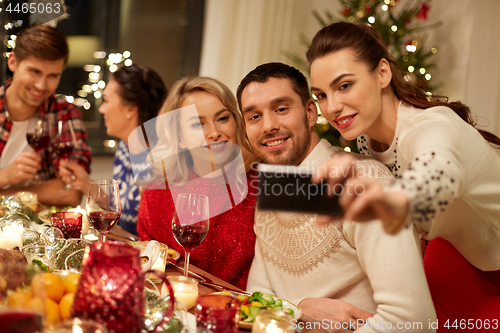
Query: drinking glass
[[217, 314], [38, 138], [272, 321], [64, 142], [190, 222], [20, 311], [103, 205]]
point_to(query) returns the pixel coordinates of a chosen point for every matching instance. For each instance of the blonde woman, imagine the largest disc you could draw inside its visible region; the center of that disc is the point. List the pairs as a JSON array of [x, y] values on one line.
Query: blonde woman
[[201, 113]]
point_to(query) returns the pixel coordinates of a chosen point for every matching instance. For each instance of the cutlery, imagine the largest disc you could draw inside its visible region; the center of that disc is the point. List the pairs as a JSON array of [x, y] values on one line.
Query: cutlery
[[205, 280], [127, 235]]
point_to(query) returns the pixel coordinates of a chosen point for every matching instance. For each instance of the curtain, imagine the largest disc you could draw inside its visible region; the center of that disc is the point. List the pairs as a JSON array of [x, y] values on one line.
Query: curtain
[[241, 34]]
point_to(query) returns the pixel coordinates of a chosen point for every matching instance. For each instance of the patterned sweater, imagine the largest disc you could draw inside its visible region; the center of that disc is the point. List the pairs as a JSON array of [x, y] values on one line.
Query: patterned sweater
[[130, 193], [451, 175], [355, 262]]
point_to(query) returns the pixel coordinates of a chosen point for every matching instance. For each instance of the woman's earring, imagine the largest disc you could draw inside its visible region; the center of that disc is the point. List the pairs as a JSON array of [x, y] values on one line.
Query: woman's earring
[[128, 115]]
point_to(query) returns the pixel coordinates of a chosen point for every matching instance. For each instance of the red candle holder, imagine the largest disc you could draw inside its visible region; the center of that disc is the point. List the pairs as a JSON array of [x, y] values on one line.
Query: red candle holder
[[217, 314], [70, 223]]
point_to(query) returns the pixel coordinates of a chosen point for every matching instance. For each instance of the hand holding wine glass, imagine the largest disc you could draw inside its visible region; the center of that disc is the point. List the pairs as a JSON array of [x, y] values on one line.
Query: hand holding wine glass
[[64, 142], [103, 205], [190, 222], [38, 137]]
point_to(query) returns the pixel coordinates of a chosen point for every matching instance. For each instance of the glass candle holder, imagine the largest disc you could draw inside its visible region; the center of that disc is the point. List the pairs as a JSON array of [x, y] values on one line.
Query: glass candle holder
[[70, 223], [217, 314], [272, 321], [185, 290], [79, 325]]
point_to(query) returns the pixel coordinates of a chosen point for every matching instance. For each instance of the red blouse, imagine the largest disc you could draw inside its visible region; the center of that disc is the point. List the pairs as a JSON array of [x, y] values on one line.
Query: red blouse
[[228, 250]]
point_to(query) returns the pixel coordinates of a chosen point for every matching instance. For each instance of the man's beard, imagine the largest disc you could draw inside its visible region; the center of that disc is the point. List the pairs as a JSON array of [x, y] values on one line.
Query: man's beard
[[293, 156]]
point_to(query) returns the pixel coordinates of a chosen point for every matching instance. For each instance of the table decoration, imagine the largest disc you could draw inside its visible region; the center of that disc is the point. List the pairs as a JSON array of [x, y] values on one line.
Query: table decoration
[[30, 202], [111, 287], [11, 236], [273, 321], [217, 314], [70, 223], [85, 221], [185, 290], [79, 325]]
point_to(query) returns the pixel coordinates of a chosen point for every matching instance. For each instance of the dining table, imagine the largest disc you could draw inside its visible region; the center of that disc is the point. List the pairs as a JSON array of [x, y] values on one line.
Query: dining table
[[118, 234]]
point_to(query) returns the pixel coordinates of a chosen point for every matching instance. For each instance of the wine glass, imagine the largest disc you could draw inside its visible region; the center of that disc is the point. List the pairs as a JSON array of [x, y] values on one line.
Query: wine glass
[[38, 138], [103, 205], [190, 222], [64, 142]]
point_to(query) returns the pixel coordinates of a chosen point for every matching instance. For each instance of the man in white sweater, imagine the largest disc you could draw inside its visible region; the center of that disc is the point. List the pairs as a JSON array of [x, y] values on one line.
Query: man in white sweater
[[344, 276]]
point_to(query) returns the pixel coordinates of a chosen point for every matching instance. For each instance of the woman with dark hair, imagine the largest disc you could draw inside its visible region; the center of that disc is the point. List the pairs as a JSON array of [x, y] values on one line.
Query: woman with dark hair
[[447, 171], [132, 97]]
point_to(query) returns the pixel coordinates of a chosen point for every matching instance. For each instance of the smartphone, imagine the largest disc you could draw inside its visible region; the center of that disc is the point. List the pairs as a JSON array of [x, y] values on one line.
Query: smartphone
[[289, 188]]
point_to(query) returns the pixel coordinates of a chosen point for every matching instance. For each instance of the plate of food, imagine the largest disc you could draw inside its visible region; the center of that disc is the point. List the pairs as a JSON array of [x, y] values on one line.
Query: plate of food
[[44, 215], [252, 304]]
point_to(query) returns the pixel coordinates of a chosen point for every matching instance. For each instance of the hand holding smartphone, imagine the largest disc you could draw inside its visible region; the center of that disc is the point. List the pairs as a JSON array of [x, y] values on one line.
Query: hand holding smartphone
[[289, 188]]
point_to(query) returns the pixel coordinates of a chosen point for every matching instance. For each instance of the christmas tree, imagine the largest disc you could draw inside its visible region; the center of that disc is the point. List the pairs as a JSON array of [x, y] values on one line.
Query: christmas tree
[[401, 24]]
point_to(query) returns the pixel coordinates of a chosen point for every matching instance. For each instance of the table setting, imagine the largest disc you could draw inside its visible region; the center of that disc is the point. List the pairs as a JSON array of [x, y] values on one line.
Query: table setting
[[107, 280]]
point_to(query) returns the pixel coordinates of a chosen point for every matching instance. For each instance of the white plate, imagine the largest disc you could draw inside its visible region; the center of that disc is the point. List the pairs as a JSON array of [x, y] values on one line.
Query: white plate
[[297, 312], [44, 216]]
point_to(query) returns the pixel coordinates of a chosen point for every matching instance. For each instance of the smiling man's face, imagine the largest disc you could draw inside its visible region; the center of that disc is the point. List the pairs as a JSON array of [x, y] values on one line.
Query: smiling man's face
[[277, 123], [34, 79]]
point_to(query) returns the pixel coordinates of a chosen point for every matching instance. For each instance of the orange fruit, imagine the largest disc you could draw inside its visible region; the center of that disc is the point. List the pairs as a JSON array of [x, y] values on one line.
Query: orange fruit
[[48, 284], [36, 304], [66, 305], [52, 312], [19, 299], [70, 282]]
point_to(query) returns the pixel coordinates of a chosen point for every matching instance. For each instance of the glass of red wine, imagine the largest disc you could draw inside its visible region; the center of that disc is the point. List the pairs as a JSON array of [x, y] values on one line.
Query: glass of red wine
[[38, 138], [64, 142], [190, 222], [103, 205]]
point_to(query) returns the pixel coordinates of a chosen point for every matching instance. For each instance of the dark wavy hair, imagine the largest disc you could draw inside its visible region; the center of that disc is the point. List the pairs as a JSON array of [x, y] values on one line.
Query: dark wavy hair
[[142, 87], [369, 48], [42, 42]]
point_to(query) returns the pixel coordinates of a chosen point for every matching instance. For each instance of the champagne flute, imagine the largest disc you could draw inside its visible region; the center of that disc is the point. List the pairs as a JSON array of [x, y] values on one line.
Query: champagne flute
[[38, 138], [190, 222], [64, 143], [103, 205]]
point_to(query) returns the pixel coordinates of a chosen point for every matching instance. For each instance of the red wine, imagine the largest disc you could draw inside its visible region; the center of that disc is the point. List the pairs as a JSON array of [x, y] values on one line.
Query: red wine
[[20, 321], [63, 149], [190, 236], [38, 142], [103, 221]]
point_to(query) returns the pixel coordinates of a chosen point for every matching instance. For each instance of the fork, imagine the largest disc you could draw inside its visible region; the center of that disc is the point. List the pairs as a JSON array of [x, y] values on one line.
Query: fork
[[205, 280]]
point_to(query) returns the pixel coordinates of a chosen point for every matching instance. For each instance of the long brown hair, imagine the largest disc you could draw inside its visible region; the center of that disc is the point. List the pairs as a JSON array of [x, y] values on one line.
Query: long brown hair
[[369, 48]]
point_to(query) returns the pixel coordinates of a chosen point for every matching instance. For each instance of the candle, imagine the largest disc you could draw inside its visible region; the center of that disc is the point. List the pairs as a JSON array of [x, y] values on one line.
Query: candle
[[185, 290], [85, 221], [11, 236]]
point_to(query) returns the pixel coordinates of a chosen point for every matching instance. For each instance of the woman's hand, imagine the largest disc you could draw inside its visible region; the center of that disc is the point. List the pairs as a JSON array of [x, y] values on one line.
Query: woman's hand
[[74, 174], [362, 199]]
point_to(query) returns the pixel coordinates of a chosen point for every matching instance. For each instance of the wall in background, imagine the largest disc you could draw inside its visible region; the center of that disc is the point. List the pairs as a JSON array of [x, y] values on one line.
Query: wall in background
[[240, 34]]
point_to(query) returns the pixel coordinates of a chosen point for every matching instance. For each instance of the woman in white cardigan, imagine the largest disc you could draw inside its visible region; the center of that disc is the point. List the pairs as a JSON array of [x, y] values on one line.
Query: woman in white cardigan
[[447, 171]]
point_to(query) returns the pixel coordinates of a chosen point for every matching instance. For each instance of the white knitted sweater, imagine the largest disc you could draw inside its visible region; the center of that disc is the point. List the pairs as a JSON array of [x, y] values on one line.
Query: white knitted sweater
[[355, 262], [452, 176]]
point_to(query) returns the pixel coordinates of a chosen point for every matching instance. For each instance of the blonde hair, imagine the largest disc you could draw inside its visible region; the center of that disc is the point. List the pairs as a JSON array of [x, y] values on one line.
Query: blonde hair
[[177, 163]]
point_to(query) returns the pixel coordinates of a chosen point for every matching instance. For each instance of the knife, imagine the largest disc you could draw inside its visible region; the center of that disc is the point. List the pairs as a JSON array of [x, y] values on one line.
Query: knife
[[205, 280]]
